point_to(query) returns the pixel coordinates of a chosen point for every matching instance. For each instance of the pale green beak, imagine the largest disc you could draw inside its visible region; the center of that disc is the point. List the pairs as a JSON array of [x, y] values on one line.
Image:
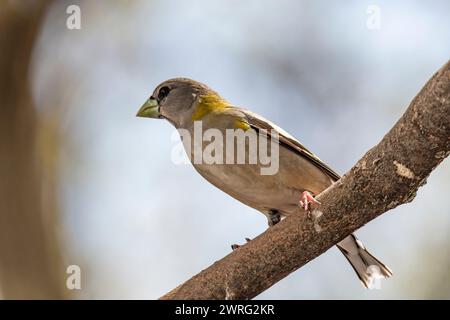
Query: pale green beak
[[150, 109]]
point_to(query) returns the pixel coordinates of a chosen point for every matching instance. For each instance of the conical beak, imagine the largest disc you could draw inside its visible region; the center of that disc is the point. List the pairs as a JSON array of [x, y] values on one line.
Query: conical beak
[[150, 109]]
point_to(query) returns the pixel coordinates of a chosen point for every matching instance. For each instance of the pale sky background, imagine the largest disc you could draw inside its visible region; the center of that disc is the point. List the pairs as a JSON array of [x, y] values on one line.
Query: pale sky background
[[139, 225]]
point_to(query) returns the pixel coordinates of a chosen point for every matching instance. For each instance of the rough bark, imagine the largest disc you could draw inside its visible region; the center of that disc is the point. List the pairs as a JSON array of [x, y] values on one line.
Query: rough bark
[[387, 176]]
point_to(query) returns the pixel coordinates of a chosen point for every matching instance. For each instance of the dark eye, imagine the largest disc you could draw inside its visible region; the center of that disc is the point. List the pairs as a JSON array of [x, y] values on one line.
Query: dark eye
[[163, 92]]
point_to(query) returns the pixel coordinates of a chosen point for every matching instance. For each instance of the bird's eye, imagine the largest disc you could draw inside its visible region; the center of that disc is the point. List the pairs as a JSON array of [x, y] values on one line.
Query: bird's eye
[[163, 92]]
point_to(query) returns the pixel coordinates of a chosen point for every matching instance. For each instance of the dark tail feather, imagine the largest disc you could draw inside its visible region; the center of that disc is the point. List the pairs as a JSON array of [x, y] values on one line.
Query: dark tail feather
[[367, 267]]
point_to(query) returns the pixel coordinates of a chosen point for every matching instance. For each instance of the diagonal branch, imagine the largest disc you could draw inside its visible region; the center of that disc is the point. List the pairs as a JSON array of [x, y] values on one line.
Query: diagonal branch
[[387, 176]]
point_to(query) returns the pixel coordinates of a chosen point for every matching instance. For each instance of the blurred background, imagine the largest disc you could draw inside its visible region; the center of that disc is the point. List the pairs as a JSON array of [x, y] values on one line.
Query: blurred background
[[84, 182]]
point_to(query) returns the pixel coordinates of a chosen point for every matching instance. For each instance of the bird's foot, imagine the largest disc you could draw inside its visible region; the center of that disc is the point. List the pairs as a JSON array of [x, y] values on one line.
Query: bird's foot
[[236, 246], [306, 199], [273, 218]]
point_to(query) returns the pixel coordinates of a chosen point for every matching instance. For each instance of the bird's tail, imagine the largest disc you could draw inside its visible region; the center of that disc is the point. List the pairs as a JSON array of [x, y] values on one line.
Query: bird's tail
[[367, 267]]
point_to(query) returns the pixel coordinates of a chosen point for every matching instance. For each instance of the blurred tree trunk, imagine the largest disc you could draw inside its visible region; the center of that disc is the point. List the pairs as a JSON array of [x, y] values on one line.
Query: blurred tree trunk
[[30, 264]]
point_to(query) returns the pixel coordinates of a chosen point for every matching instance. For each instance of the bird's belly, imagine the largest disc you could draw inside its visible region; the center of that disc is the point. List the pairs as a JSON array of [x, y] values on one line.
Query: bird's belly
[[280, 191], [246, 184]]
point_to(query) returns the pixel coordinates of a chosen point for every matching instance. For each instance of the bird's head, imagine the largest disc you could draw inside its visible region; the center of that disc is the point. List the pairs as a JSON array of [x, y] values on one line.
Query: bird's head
[[181, 101]]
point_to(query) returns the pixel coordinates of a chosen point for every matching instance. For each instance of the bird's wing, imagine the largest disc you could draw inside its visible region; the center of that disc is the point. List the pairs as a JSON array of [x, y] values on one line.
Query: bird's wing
[[286, 140]]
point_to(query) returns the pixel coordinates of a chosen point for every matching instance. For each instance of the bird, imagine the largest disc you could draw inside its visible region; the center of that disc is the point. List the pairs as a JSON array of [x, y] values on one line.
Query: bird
[[300, 175]]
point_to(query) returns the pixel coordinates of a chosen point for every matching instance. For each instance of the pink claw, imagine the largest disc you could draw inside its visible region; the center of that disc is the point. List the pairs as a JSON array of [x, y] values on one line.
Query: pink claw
[[306, 199]]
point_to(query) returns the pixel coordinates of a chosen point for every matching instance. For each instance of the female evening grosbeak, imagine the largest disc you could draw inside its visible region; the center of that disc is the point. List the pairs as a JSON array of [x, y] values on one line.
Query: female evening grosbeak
[[300, 174]]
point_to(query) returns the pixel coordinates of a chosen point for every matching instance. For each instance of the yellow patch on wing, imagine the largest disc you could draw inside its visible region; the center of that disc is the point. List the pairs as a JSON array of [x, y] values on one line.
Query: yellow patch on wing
[[241, 124], [208, 103]]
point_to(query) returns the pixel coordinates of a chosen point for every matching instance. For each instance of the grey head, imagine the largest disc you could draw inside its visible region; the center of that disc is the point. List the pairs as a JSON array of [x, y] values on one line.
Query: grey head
[[174, 100]]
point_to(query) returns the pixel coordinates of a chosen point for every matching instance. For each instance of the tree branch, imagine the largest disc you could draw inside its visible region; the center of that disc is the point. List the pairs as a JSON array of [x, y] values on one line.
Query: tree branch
[[388, 175]]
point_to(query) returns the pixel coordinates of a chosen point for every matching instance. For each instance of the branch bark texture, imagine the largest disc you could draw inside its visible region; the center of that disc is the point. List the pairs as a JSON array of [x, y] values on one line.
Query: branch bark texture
[[388, 175]]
